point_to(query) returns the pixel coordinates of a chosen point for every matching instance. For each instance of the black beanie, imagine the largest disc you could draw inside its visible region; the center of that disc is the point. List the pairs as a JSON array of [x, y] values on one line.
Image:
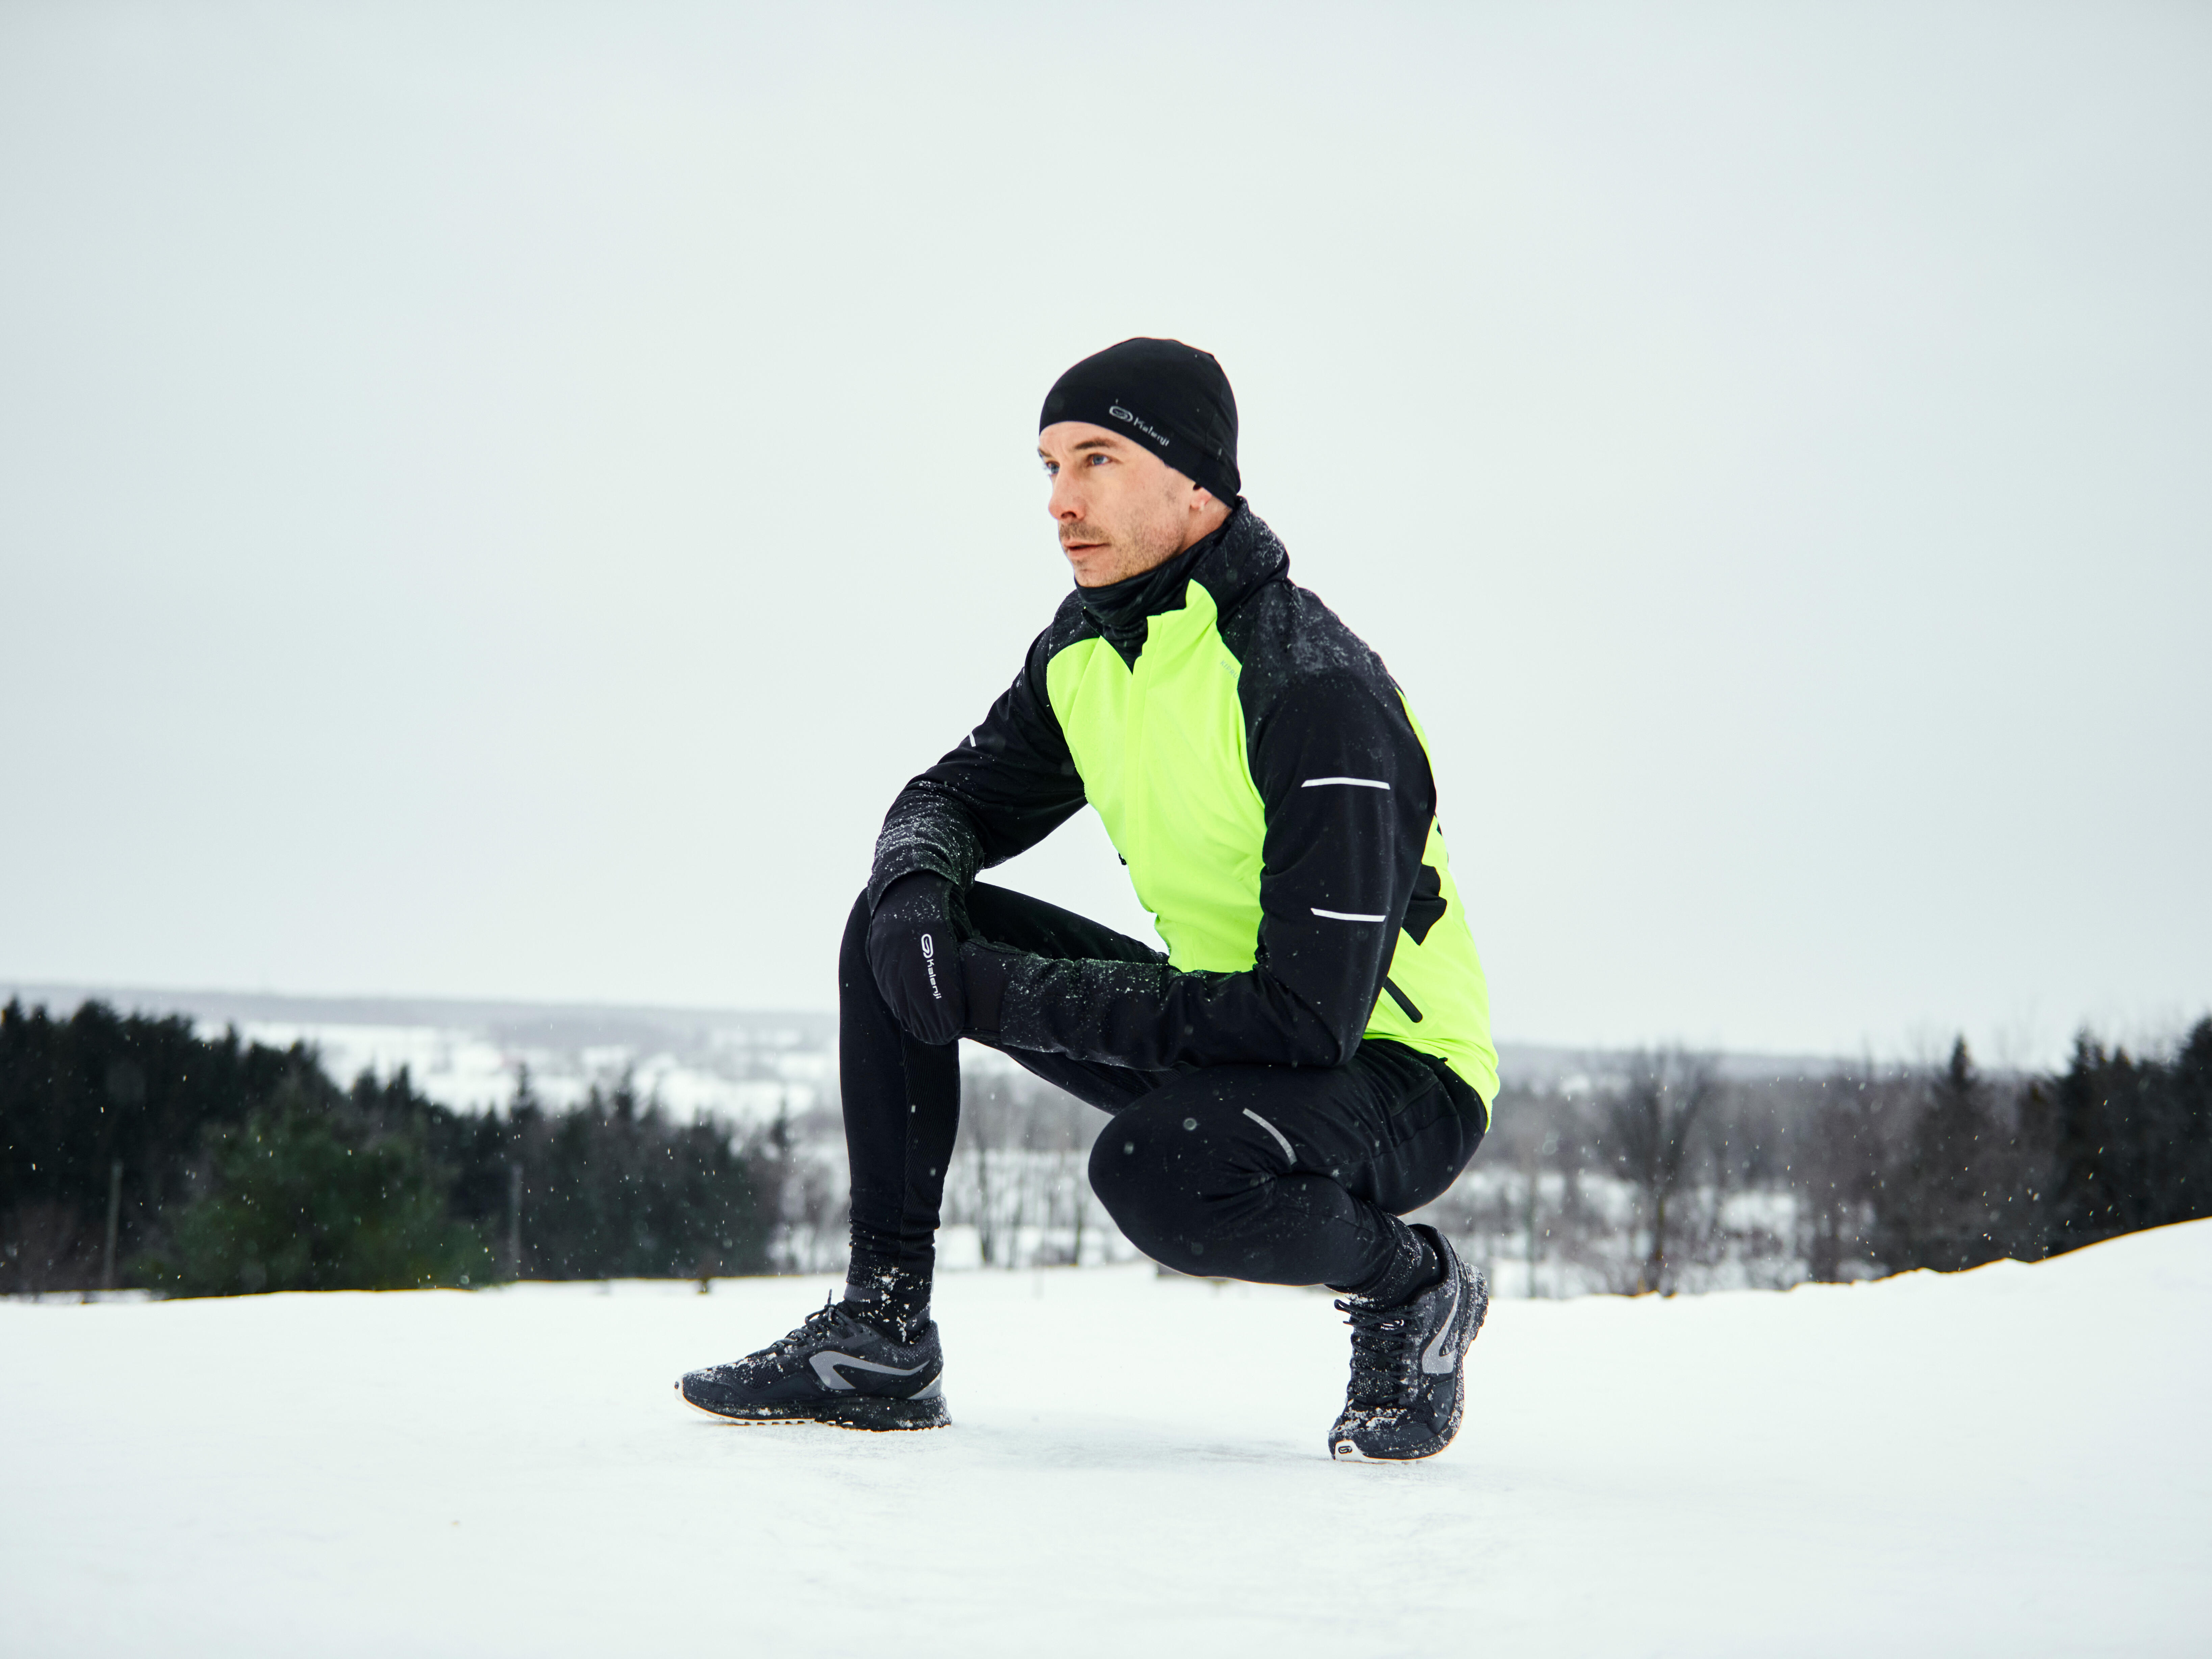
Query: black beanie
[[1170, 397]]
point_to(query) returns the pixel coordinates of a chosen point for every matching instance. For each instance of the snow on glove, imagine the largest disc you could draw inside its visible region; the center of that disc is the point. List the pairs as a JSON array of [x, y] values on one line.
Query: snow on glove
[[914, 951]]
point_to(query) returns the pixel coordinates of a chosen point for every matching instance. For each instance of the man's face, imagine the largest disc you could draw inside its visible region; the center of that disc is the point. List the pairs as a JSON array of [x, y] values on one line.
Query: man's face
[[1120, 509]]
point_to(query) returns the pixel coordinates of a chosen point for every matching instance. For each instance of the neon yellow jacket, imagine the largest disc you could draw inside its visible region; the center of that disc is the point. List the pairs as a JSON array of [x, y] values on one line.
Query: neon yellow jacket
[[1263, 779]]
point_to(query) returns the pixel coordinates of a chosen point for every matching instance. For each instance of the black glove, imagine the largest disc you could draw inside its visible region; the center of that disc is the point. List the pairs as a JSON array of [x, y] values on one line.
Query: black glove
[[913, 951]]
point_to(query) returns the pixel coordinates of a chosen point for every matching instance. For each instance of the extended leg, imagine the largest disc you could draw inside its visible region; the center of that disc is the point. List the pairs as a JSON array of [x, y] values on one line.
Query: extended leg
[[902, 1099], [902, 1107]]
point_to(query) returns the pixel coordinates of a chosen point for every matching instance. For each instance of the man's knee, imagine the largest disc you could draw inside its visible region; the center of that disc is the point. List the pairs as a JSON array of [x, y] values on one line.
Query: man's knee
[[1165, 1171], [1115, 1181]]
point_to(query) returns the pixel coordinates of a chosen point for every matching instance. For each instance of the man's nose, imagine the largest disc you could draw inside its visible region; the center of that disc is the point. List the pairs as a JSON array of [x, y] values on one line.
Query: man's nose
[[1064, 503]]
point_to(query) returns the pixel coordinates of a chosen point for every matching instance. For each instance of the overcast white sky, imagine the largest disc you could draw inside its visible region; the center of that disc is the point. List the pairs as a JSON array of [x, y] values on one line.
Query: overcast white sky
[[494, 498]]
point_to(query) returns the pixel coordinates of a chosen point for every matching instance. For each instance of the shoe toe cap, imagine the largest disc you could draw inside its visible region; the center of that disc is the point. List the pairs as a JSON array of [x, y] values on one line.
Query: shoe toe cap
[[713, 1390]]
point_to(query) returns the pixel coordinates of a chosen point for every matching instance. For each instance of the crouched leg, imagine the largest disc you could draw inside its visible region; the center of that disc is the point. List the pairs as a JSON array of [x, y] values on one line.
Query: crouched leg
[[1286, 1175]]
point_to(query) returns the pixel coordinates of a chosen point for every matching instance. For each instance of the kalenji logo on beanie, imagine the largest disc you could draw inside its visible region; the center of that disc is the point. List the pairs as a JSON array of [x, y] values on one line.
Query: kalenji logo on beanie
[[1171, 397], [1121, 414]]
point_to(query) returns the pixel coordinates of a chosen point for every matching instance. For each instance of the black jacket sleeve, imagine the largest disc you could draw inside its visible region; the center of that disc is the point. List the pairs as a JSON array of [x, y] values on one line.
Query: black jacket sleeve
[[1349, 797], [1011, 783]]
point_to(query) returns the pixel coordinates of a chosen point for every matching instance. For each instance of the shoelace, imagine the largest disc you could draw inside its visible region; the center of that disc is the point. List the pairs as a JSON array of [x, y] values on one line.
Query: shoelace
[[816, 1324], [1382, 1354]]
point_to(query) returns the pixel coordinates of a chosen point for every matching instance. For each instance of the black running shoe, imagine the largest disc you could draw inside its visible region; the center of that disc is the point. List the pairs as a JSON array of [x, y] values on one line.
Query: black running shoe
[[1408, 1390], [834, 1369]]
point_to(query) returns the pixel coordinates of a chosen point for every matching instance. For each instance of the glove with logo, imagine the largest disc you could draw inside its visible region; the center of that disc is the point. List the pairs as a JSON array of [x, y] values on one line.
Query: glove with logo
[[913, 951]]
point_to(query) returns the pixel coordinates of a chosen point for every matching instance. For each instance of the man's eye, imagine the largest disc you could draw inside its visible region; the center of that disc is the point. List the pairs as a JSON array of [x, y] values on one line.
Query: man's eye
[[1098, 460]]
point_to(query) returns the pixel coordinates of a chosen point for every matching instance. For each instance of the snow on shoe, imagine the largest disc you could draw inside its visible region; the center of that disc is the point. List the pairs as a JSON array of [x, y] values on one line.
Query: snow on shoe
[[1409, 1387], [834, 1369]]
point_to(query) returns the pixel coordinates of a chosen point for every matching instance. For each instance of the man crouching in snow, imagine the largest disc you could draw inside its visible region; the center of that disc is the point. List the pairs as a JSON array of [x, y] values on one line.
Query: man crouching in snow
[[1310, 1060]]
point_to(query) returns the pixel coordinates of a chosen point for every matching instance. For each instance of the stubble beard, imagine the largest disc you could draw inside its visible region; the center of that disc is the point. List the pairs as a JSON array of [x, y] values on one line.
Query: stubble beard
[[1131, 553]]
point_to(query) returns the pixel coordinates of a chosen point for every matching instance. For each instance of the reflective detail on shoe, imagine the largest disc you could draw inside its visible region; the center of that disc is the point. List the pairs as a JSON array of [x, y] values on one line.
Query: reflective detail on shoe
[[1363, 783], [1343, 916], [825, 1366], [833, 1369], [1436, 1359], [934, 1391], [1281, 1138]]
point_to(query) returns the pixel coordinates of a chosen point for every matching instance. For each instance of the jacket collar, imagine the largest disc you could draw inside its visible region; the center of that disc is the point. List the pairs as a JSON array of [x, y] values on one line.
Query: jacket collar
[[1231, 562]]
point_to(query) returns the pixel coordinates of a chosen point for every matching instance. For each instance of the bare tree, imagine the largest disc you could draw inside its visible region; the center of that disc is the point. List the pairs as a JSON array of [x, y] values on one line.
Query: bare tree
[[1649, 1124], [1016, 1171], [1532, 1169], [1835, 1168], [1078, 1201]]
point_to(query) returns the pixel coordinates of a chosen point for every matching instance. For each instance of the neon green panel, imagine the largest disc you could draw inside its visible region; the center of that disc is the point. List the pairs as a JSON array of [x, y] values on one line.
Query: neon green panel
[[1161, 751]]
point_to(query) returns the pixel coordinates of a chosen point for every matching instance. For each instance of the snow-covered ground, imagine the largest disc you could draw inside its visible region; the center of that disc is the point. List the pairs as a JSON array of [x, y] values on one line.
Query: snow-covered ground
[[2015, 1460]]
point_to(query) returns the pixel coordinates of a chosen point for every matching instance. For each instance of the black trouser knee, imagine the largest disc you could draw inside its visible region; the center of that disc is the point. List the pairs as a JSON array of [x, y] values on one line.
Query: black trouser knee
[[1282, 1175], [1192, 1191]]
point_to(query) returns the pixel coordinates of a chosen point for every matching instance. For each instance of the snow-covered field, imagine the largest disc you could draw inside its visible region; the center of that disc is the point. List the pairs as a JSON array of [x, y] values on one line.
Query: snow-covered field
[[2015, 1460]]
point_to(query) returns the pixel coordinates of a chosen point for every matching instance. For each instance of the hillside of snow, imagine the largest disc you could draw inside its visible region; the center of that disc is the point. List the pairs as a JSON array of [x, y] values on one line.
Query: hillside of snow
[[2013, 1461]]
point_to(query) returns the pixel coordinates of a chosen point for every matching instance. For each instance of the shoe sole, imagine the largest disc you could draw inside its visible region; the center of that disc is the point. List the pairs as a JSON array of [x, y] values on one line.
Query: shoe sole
[[868, 1413], [1347, 1451]]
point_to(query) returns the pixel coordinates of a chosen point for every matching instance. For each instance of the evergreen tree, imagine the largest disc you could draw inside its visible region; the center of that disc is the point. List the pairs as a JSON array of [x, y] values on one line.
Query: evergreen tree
[[311, 1194], [1940, 1211], [613, 1189], [2189, 1092], [2133, 1142], [78, 1096], [242, 1167]]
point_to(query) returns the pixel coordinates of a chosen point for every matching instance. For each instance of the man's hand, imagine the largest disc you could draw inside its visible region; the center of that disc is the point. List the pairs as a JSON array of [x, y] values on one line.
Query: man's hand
[[915, 954]]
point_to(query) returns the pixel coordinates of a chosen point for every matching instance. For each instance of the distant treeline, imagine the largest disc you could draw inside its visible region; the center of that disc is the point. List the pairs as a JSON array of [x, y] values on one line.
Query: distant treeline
[[133, 1151], [1883, 1170], [136, 1152], [1963, 1171]]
